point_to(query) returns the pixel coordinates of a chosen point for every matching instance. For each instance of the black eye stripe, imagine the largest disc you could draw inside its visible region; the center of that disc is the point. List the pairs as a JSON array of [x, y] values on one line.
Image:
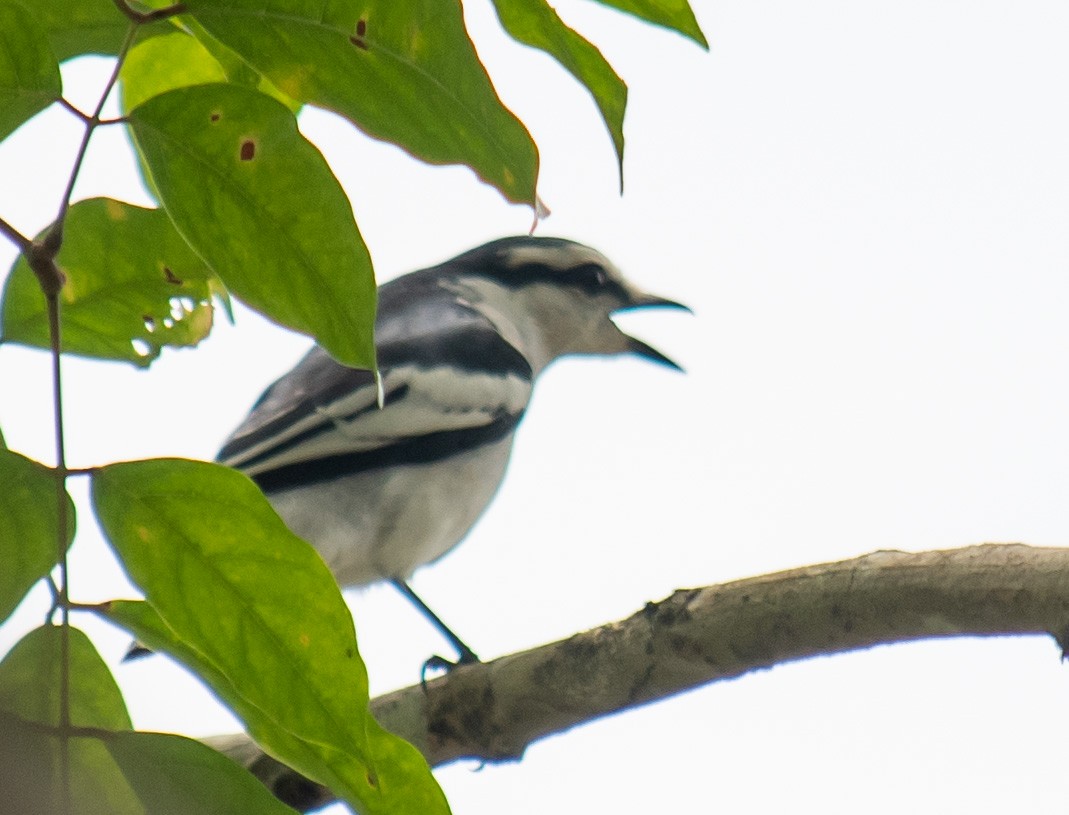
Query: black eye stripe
[[590, 278]]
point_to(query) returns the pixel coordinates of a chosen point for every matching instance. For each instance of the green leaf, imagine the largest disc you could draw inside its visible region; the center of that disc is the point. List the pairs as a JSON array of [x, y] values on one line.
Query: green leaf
[[29, 526], [397, 761], [133, 287], [238, 72], [78, 27], [250, 600], [535, 23], [149, 628], [173, 775], [30, 681], [402, 72], [29, 72], [163, 63], [676, 15], [178, 60], [26, 756], [259, 203], [30, 688]]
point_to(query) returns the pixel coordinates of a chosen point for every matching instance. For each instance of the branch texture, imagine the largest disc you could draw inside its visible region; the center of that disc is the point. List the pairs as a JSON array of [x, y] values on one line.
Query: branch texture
[[493, 711]]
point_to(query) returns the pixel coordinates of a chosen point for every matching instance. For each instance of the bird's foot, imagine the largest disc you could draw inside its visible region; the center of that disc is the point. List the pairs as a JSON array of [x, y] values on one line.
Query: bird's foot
[[439, 663]]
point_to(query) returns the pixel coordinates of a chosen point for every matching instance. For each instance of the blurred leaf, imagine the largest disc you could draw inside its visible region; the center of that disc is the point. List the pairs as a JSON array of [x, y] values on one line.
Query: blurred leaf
[[29, 527], [535, 23], [29, 72], [173, 775], [260, 204], [26, 756], [3, 444], [248, 600], [30, 688], [402, 72], [676, 15], [133, 287]]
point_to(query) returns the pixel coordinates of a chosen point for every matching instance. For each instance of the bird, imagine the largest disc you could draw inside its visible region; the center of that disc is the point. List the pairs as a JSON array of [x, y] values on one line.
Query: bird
[[384, 473]]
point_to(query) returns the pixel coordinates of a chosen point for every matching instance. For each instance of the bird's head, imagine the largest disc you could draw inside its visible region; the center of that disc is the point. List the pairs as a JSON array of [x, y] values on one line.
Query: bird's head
[[557, 297]]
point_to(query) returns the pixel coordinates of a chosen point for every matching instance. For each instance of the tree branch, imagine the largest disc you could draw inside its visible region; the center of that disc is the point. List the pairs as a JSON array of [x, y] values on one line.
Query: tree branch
[[493, 711]]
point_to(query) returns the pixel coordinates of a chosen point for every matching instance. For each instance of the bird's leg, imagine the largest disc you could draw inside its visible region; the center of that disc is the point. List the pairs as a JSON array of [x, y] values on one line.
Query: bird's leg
[[465, 654]]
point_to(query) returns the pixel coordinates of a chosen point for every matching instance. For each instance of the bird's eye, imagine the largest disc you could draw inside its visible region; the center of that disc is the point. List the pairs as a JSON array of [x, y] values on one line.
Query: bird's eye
[[589, 276]]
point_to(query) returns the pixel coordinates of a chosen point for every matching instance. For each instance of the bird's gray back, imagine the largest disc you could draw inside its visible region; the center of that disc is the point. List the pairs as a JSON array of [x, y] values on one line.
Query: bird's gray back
[[450, 382]]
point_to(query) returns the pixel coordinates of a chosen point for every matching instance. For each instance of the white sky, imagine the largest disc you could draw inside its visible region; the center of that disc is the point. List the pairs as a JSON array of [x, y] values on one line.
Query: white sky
[[866, 205]]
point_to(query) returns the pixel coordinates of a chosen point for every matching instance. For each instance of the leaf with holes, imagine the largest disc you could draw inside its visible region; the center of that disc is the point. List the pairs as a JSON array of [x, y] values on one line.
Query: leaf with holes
[[260, 204], [257, 612], [402, 72], [29, 529], [133, 287], [29, 72]]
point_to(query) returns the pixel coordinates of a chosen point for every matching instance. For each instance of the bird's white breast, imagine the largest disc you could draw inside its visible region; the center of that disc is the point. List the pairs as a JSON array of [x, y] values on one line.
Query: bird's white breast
[[385, 523]]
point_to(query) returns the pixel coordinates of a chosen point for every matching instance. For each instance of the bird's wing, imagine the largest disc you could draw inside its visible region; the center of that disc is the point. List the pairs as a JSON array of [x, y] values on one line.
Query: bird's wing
[[450, 382]]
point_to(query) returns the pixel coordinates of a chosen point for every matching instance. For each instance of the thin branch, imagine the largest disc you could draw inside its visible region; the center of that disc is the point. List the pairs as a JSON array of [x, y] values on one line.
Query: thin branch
[[493, 711], [16, 237], [76, 112], [55, 235], [62, 530]]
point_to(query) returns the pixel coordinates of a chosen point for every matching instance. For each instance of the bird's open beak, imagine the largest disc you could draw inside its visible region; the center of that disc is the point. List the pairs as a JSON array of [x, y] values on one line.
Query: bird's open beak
[[636, 346]]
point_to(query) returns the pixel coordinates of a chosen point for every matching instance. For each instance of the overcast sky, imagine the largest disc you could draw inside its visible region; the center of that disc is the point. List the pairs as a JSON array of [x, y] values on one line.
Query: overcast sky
[[867, 207]]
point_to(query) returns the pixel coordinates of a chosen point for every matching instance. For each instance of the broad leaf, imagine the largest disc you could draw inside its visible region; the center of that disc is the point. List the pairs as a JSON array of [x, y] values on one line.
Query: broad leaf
[[29, 72], [29, 527], [259, 203], [30, 681], [676, 15], [133, 287], [163, 63], [176, 775], [145, 623], [248, 600], [535, 23], [27, 758], [398, 762], [238, 72], [30, 687], [402, 72], [78, 27], [177, 60]]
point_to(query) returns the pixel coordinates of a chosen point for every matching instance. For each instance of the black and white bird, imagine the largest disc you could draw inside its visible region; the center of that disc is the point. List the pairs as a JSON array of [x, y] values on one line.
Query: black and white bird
[[383, 482]]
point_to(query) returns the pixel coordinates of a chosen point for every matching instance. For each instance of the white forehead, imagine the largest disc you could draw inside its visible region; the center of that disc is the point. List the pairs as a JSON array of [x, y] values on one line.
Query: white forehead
[[558, 257]]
